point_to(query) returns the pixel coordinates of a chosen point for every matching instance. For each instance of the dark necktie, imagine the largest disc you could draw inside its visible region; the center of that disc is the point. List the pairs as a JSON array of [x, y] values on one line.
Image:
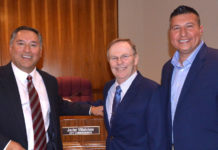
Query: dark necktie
[[117, 98], [37, 118]]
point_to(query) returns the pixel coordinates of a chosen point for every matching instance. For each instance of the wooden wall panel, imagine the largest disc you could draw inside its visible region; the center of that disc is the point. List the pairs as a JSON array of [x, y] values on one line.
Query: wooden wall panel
[[75, 34]]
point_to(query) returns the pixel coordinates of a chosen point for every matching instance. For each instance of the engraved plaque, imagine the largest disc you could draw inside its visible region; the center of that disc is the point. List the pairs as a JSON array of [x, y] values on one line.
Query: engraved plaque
[[81, 130]]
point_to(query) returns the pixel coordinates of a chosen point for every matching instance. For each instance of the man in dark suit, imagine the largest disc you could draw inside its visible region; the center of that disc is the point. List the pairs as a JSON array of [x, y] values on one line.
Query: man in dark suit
[[190, 85], [16, 127], [135, 122]]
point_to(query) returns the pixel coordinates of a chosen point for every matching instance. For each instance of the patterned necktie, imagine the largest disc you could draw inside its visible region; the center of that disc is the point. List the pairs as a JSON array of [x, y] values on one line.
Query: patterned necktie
[[117, 98], [37, 118]]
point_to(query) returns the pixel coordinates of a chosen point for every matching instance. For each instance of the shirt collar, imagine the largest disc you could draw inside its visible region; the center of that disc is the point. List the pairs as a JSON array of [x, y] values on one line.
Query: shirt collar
[[175, 60], [21, 75], [125, 85]]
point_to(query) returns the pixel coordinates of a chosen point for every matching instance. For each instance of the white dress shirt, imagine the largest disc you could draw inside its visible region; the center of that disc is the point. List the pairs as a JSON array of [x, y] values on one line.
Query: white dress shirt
[[21, 79], [124, 87]]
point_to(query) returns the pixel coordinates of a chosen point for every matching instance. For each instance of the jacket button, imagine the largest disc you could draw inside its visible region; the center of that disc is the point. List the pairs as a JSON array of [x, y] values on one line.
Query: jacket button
[[111, 137]]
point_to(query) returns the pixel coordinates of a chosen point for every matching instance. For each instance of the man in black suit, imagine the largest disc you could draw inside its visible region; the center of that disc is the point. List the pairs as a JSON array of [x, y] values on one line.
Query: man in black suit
[[190, 84], [16, 129]]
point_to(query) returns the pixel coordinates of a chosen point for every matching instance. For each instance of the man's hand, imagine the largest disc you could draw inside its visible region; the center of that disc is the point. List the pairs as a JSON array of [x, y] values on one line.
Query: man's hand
[[97, 111], [14, 146]]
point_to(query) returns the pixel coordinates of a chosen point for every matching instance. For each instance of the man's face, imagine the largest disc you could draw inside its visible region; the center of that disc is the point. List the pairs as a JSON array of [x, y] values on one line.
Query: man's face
[[185, 33], [25, 50], [122, 60]]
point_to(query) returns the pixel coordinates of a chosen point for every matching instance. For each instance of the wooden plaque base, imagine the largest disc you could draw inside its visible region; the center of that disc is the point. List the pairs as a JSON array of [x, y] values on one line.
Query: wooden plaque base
[[83, 132]]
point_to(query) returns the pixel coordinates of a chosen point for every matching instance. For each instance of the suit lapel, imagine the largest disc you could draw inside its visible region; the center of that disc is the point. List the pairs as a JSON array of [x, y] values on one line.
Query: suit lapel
[[129, 96], [106, 89], [51, 98], [169, 78], [168, 92], [192, 74], [48, 88], [11, 90]]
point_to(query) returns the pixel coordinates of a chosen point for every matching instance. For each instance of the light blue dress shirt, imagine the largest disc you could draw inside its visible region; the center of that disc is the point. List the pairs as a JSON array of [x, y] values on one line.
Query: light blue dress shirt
[[179, 75]]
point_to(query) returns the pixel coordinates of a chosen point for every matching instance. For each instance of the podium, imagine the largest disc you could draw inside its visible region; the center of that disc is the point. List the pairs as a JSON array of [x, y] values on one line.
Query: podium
[[83, 132]]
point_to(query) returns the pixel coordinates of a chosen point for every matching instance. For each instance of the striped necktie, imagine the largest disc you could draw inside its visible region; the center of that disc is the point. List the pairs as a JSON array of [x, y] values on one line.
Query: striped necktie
[[37, 118], [117, 98]]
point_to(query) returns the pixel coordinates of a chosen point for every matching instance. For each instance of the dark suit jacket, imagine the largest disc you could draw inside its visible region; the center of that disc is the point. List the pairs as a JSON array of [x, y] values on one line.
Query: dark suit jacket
[[196, 118], [12, 125], [137, 124]]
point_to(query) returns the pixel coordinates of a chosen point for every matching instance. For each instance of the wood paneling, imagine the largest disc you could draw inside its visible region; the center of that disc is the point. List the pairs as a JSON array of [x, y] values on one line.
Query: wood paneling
[[75, 34]]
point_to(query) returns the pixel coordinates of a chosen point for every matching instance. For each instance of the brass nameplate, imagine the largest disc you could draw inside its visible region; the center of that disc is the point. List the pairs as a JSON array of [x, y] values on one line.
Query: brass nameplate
[[81, 130]]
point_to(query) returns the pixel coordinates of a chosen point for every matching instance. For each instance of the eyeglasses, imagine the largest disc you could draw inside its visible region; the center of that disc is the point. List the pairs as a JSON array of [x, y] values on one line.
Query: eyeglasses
[[122, 57]]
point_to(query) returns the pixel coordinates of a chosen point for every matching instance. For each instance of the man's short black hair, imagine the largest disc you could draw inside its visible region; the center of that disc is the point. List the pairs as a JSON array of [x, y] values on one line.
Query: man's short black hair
[[182, 9]]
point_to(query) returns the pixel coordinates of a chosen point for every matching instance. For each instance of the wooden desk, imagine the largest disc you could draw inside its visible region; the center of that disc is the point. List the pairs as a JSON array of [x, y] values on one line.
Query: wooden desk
[[83, 132]]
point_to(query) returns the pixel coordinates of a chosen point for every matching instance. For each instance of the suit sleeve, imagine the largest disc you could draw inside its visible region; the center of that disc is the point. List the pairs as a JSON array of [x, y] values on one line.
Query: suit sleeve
[[70, 108], [3, 141], [156, 125], [73, 108], [59, 105]]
